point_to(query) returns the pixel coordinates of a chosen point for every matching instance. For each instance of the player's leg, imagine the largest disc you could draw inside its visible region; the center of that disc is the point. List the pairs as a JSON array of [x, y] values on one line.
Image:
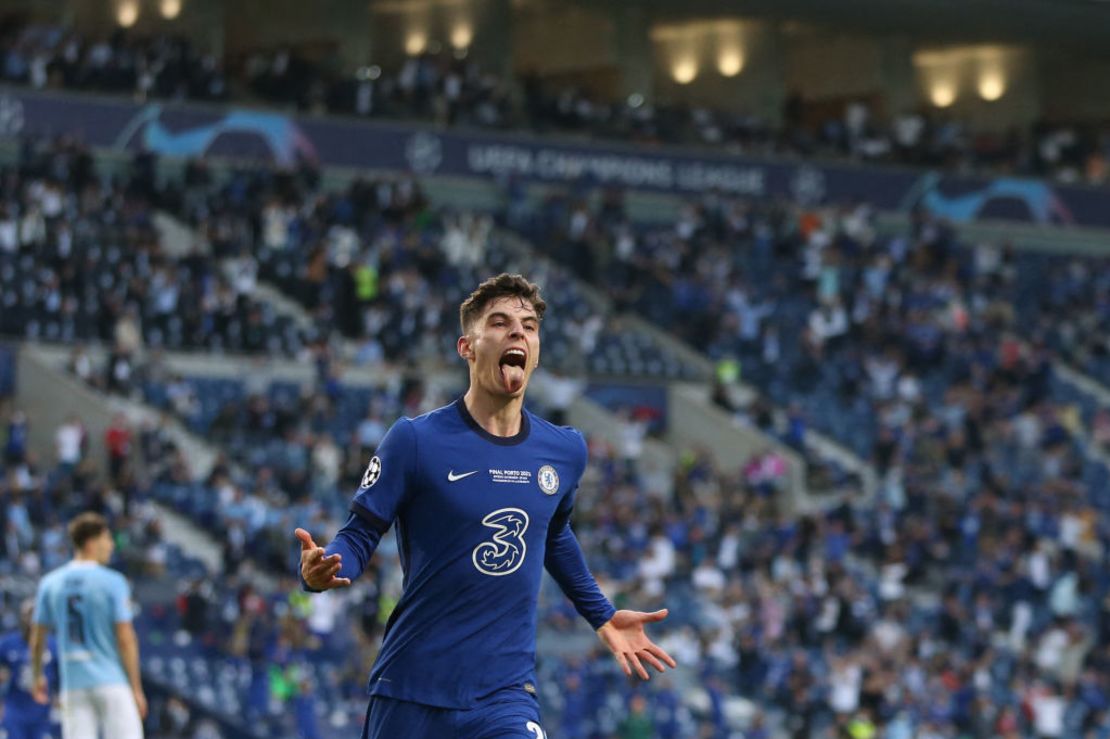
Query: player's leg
[[387, 718], [118, 713], [78, 714], [508, 714]]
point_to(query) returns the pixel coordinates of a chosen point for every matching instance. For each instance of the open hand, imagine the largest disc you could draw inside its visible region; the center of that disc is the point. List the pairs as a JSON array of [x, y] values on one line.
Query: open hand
[[319, 572], [624, 635]]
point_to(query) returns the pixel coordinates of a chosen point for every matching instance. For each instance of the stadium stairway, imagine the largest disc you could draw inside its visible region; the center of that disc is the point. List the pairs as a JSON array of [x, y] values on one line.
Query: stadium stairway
[[54, 395], [178, 241]]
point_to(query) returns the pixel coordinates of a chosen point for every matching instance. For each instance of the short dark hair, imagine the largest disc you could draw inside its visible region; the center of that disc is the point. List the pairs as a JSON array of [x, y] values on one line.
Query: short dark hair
[[86, 526], [503, 285]]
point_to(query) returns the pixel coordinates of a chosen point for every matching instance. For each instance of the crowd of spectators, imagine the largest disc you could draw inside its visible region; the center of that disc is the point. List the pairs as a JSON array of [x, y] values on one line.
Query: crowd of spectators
[[82, 259], [161, 66], [380, 266], [39, 493], [984, 546], [298, 475], [450, 88], [879, 314], [968, 596], [965, 600], [229, 620]]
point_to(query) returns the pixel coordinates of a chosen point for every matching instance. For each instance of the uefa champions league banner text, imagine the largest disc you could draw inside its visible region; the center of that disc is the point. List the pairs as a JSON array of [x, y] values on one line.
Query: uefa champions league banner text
[[195, 130]]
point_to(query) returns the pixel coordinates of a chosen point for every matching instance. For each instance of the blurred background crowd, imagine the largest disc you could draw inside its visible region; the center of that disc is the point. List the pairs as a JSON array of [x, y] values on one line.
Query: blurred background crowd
[[908, 536]]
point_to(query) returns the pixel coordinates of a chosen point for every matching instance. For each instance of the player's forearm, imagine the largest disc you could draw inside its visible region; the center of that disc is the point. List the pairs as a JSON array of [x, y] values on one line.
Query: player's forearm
[[356, 547], [37, 643], [567, 565], [129, 657]]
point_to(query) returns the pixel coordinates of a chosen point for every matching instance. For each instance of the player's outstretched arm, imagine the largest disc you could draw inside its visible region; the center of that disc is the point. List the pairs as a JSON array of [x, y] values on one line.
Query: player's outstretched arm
[[319, 570], [625, 636], [621, 631]]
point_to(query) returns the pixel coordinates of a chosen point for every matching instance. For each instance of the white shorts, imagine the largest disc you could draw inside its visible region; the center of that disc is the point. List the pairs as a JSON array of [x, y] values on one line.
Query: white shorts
[[107, 711]]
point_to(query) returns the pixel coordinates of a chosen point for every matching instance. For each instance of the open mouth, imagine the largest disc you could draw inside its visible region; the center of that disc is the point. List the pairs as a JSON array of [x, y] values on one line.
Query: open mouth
[[512, 365]]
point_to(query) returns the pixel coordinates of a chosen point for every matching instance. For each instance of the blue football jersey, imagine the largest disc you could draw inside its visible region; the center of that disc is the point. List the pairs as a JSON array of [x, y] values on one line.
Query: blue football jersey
[[15, 656], [477, 515], [82, 602]]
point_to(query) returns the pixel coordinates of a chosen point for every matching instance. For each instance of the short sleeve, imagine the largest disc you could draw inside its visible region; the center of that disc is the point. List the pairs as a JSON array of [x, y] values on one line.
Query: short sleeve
[[121, 600], [386, 480], [42, 615]]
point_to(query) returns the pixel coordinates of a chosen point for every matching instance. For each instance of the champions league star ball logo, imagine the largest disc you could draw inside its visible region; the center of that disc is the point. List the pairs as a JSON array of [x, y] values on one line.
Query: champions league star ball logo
[[373, 472], [808, 185], [548, 479], [11, 115], [424, 152]]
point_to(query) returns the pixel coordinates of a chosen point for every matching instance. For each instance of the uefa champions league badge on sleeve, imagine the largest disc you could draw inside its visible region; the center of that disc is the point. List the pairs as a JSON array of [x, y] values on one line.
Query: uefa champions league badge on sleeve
[[373, 472], [548, 479]]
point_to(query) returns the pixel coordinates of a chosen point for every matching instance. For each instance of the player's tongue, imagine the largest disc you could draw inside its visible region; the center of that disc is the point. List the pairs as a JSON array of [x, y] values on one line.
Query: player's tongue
[[512, 372], [512, 377]]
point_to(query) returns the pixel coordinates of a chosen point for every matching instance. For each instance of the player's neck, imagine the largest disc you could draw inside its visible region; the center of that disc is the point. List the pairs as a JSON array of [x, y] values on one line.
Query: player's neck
[[498, 416]]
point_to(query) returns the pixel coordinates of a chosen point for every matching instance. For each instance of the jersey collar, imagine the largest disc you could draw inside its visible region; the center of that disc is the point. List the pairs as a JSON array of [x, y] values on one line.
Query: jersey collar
[[525, 427]]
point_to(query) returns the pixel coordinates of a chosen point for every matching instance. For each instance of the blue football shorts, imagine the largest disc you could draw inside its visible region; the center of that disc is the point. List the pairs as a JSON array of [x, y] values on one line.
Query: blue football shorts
[[511, 713]]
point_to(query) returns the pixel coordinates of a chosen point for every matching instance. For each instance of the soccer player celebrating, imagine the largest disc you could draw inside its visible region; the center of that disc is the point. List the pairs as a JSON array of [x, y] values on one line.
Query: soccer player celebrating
[[482, 492], [88, 605]]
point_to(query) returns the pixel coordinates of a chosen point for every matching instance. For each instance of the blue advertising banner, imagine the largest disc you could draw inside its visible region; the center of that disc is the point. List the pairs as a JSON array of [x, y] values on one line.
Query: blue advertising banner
[[193, 130]]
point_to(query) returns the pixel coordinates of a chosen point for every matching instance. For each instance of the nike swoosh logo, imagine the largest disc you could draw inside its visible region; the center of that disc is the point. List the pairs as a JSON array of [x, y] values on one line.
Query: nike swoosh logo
[[452, 477]]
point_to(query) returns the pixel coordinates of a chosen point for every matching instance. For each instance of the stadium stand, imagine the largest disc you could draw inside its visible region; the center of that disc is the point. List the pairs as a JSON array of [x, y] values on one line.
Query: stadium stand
[[986, 489], [968, 596]]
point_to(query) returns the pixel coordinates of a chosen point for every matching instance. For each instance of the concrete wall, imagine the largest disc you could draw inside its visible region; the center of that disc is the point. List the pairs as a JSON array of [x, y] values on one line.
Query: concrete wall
[[1076, 89], [963, 69], [759, 86], [342, 26], [586, 39], [822, 64], [694, 421], [51, 395], [200, 20], [483, 27]]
